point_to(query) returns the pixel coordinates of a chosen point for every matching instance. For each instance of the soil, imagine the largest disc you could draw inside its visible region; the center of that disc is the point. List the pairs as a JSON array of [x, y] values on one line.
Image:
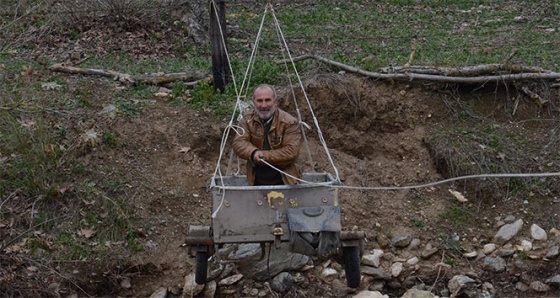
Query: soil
[[378, 134]]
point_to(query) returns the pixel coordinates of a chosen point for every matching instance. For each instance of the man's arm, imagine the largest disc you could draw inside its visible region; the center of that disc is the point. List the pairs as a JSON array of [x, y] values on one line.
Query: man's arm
[[242, 145]]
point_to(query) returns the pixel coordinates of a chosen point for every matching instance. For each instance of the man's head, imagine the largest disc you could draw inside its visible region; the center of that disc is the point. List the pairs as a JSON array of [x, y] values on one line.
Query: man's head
[[264, 101]]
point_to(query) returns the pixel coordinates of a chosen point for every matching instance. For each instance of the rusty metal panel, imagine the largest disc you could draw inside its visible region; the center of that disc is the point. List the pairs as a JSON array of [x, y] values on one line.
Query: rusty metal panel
[[250, 213]]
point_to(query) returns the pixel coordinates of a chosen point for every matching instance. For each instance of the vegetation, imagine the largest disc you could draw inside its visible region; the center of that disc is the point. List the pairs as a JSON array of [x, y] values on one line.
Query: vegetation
[[47, 122]]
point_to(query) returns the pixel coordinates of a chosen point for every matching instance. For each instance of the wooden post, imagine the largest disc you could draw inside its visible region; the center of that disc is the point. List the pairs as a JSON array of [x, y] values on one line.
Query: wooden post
[[218, 37]]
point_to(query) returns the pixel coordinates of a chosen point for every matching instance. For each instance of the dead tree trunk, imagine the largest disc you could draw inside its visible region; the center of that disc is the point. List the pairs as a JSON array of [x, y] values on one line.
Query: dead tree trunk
[[218, 44]]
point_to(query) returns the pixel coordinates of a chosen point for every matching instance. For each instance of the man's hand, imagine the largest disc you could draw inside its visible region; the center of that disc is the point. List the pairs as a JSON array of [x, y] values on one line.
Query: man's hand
[[258, 158]]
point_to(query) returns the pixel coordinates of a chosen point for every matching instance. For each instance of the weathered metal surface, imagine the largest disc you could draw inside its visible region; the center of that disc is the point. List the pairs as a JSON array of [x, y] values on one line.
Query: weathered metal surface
[[251, 213]]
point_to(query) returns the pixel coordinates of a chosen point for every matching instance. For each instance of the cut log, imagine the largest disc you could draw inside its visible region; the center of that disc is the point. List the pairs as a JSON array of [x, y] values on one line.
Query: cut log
[[156, 78]]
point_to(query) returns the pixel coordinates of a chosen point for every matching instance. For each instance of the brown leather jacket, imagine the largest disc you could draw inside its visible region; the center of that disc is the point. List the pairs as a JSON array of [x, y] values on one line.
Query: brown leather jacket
[[284, 138]]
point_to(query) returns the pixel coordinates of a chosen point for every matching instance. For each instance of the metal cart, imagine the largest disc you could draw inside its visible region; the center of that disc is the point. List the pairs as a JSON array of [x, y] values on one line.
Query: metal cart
[[305, 215]]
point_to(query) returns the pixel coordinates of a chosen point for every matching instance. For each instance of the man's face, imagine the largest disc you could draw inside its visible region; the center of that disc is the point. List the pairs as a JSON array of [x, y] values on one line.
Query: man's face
[[264, 102]]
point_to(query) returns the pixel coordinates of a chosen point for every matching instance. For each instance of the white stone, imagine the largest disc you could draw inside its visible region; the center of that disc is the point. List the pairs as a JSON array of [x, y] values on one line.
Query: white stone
[[489, 248], [526, 245], [373, 259], [370, 294], [412, 261], [471, 254], [230, 280], [538, 233], [396, 269], [328, 273], [191, 287]]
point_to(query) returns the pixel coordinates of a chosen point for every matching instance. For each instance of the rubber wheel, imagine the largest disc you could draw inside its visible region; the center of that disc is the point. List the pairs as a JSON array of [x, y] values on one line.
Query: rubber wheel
[[351, 256], [201, 267]]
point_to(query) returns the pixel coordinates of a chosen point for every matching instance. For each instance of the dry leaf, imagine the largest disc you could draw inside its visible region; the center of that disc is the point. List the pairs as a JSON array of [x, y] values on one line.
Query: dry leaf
[[458, 196], [87, 232], [26, 71]]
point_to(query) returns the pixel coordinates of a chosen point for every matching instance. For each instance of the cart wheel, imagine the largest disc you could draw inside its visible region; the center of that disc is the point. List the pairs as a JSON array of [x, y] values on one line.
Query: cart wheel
[[201, 267], [351, 256]]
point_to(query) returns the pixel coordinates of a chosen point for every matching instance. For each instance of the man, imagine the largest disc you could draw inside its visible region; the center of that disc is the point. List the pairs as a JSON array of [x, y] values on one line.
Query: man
[[269, 134]]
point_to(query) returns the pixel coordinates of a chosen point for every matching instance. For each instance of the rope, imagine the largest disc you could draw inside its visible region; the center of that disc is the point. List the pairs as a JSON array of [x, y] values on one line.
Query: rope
[[501, 175], [316, 122]]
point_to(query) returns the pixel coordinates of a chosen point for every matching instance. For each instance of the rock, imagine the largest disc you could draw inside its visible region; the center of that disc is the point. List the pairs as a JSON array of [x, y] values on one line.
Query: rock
[[160, 293], [370, 294], [396, 269], [554, 232], [428, 252], [471, 254], [209, 289], [282, 282], [509, 219], [540, 287], [489, 248], [125, 283], [254, 292], [383, 241], [280, 260], [412, 261], [538, 233], [522, 287], [230, 280], [376, 273], [329, 274], [373, 259], [526, 245], [246, 251], [508, 231], [492, 264], [459, 284], [414, 244], [191, 287], [552, 252], [554, 281], [505, 252], [401, 241]]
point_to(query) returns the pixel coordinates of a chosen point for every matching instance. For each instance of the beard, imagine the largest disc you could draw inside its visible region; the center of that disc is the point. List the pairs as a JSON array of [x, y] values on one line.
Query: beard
[[266, 114]]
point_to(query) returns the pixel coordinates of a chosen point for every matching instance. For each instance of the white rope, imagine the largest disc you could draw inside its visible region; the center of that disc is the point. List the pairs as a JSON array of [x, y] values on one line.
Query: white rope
[[225, 136], [406, 187], [319, 132]]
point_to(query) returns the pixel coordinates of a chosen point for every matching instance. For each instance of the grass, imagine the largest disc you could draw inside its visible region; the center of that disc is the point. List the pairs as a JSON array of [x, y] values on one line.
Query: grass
[[51, 192]]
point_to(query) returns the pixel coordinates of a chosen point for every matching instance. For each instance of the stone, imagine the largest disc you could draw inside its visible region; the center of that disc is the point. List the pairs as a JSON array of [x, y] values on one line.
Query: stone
[[228, 281], [538, 286], [329, 274], [401, 241], [428, 252], [526, 245], [492, 264], [554, 281], [191, 287], [552, 252], [554, 232], [470, 255], [489, 248], [282, 282], [370, 294], [125, 283], [412, 261], [396, 269], [279, 260], [373, 259], [160, 293], [522, 287], [508, 231], [459, 283], [376, 273], [414, 244], [505, 252], [210, 289], [538, 233], [509, 219], [246, 251]]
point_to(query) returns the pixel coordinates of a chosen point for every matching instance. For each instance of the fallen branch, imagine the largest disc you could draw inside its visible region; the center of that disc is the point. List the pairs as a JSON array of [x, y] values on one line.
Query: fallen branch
[[466, 75], [157, 79]]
